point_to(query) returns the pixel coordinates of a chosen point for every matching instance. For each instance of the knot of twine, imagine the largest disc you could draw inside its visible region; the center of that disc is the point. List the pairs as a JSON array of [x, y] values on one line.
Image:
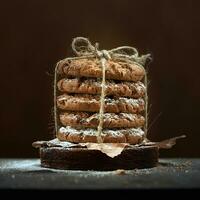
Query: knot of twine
[[83, 48]]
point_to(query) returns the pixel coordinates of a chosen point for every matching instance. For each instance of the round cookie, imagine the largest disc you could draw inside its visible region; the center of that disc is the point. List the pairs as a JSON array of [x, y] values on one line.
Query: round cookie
[[93, 86], [91, 103], [111, 120], [129, 135], [116, 70], [81, 158]]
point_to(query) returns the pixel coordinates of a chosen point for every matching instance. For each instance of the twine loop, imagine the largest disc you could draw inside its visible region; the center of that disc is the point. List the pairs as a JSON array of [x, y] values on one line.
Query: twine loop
[[83, 47]]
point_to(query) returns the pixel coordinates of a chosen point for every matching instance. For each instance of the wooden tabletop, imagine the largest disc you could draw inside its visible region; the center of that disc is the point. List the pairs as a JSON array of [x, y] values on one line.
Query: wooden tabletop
[[170, 173]]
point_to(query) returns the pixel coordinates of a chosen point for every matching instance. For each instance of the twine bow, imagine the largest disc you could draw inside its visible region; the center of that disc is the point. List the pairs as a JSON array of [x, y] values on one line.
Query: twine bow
[[83, 48]]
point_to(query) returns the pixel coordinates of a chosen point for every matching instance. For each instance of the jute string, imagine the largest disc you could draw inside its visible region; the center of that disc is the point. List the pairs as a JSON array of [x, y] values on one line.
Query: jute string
[[83, 48]]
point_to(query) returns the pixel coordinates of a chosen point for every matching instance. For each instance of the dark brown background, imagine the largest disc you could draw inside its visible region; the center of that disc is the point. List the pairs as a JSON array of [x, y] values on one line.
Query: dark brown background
[[36, 34]]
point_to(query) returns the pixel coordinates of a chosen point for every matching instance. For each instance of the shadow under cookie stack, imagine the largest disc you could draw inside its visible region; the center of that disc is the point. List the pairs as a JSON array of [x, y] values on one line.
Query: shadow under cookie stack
[[99, 97]]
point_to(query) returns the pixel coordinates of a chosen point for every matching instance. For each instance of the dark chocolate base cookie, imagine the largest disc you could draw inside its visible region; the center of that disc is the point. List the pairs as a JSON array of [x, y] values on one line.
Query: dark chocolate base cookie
[[91, 103], [116, 70], [128, 135], [84, 159], [93, 86]]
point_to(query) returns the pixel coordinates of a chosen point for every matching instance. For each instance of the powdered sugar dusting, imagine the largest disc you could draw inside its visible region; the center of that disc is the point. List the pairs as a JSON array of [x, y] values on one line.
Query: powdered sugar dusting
[[140, 87], [114, 133], [135, 102]]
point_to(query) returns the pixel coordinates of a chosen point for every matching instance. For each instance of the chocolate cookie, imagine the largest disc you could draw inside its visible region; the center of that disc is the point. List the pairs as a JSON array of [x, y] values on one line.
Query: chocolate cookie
[[111, 120], [91, 103], [93, 86], [81, 158], [116, 70], [128, 135]]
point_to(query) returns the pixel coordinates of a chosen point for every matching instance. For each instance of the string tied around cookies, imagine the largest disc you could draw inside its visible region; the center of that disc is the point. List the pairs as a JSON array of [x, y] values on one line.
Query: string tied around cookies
[[83, 48]]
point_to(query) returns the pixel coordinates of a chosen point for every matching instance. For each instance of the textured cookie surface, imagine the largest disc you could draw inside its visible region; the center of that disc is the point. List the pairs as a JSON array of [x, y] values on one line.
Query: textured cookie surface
[[128, 135], [111, 120], [93, 86], [91, 103], [91, 68]]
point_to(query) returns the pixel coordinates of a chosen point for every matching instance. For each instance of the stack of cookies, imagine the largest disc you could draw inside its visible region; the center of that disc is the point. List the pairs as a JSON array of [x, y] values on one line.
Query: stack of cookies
[[78, 101]]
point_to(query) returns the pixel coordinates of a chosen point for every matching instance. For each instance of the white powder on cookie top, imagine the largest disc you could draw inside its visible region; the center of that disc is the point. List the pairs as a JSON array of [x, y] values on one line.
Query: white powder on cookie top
[[114, 133]]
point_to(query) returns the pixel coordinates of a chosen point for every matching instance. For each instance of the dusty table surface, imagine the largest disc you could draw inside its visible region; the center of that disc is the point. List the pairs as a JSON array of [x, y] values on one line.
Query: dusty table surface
[[170, 173]]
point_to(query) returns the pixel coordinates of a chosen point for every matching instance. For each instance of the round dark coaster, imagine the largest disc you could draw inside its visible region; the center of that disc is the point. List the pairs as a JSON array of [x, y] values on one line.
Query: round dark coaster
[[84, 159]]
